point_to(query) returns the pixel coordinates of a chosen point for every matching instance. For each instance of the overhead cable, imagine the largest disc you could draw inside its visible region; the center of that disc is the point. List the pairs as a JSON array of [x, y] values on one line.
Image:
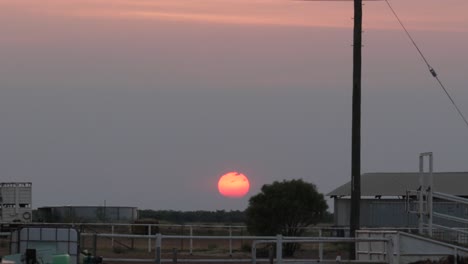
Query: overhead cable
[[431, 69]]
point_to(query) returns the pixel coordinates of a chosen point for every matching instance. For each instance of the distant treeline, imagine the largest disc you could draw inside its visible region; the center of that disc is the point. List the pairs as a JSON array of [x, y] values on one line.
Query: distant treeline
[[218, 216], [180, 217]]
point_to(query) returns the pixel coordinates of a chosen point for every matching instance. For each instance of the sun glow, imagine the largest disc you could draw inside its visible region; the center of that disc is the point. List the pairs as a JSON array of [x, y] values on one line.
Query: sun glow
[[234, 185]]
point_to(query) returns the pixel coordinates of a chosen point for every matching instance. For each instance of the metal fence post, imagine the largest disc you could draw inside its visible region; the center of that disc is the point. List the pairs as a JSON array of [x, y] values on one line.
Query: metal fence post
[[279, 249], [425, 192], [429, 195], [230, 241], [94, 244], [270, 254], [158, 248], [455, 255], [149, 238], [421, 196], [191, 239], [174, 255], [182, 229], [320, 246], [396, 246], [112, 239], [390, 251], [254, 252]]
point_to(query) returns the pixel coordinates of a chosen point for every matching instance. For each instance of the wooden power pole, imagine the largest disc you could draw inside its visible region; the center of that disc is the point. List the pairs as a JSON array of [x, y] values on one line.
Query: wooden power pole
[[356, 122]]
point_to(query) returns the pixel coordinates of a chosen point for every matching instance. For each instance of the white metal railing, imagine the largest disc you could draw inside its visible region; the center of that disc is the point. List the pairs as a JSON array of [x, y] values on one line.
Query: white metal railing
[[190, 230], [278, 240], [175, 226], [410, 247], [425, 195], [450, 197], [453, 250], [389, 252]]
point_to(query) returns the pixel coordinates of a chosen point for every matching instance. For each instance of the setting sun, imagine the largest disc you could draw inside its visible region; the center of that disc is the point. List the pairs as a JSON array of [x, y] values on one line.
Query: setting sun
[[233, 184]]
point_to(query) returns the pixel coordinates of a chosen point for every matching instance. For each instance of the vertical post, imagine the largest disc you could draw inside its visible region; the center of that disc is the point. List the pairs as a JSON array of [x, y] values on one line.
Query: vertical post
[[112, 239], [279, 249], [242, 235], [356, 125], [95, 244], [158, 248], [254, 252], [16, 199], [174, 255], [396, 247], [191, 239], [230, 241], [149, 238], [320, 247], [182, 240], [390, 259], [455, 255], [421, 195], [429, 195], [425, 192], [270, 254]]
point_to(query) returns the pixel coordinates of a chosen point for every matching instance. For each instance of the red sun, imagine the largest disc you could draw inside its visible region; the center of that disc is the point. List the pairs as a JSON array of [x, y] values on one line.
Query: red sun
[[234, 185]]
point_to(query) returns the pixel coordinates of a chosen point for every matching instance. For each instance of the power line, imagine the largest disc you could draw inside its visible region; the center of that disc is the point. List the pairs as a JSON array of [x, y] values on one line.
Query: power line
[[431, 70]]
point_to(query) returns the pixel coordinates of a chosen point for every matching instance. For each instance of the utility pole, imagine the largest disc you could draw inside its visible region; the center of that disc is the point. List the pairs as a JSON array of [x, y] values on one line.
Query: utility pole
[[356, 123]]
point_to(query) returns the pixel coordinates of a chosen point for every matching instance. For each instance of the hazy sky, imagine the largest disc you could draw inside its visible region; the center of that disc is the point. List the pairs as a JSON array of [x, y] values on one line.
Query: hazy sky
[[148, 102]]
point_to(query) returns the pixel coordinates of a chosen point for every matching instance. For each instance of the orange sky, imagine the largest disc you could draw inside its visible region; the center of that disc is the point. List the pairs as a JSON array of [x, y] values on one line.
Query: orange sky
[[426, 15]]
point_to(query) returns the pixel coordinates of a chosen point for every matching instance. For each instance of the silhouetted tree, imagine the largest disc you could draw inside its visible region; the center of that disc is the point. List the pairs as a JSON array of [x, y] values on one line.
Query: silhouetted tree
[[286, 208]]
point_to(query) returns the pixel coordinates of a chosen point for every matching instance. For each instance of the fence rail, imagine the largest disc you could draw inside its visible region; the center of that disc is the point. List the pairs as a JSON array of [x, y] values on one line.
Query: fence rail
[[193, 245], [184, 243], [278, 240]]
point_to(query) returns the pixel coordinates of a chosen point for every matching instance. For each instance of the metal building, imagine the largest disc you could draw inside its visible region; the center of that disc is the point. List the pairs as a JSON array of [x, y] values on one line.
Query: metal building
[[384, 199], [87, 214], [15, 202]]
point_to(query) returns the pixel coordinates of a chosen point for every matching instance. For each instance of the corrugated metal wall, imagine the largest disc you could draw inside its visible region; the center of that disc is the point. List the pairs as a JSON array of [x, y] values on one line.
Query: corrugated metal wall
[[392, 213]]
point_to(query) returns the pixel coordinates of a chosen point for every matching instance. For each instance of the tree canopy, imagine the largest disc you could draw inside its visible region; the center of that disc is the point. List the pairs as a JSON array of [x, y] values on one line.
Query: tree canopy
[[285, 208]]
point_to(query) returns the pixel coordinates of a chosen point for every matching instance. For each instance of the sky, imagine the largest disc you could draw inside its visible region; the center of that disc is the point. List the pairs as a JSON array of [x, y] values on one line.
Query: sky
[[147, 103]]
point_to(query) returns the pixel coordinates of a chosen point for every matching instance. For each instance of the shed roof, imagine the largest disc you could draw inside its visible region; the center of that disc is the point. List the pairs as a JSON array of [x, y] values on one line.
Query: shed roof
[[397, 183]]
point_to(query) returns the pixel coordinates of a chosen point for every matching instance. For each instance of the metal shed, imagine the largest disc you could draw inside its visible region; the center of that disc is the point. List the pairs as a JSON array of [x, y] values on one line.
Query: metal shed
[[383, 199]]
